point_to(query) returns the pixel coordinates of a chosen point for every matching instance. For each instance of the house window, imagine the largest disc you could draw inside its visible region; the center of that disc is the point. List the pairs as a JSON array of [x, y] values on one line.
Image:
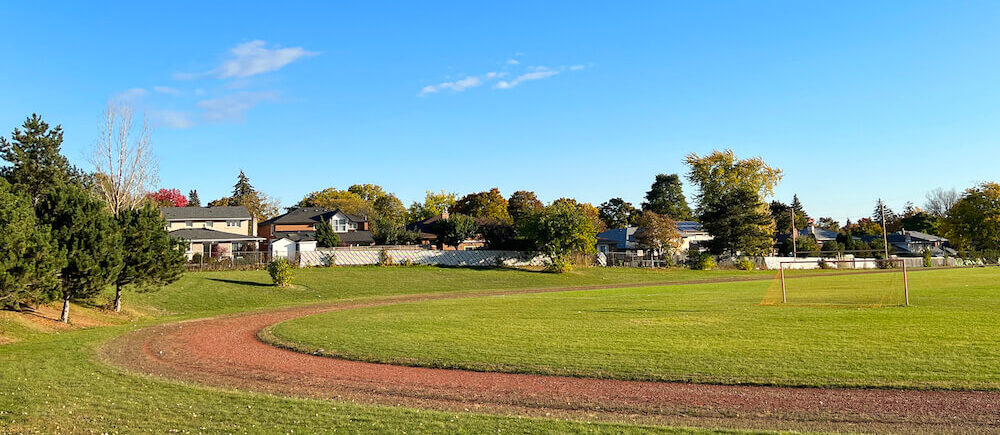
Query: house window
[[208, 224], [188, 224], [232, 223], [339, 225]]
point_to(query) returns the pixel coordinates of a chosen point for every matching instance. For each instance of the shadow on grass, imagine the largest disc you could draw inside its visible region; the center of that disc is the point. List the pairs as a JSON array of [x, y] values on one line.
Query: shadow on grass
[[241, 282], [485, 268]]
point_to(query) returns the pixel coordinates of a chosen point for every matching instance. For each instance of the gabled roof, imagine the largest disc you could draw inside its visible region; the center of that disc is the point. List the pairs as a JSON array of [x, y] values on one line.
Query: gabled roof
[[689, 227], [207, 235], [310, 215], [356, 237], [916, 236], [820, 234], [199, 213]]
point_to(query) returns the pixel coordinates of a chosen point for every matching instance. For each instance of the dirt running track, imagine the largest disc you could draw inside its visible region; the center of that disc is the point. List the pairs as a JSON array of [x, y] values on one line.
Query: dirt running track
[[226, 352]]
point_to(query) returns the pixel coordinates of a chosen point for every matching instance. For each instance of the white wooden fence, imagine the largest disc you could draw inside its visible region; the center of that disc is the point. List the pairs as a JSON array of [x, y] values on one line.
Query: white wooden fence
[[475, 258]]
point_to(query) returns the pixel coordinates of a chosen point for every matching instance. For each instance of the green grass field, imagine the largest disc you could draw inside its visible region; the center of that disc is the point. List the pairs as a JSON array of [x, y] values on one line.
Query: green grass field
[[717, 333], [50, 382]]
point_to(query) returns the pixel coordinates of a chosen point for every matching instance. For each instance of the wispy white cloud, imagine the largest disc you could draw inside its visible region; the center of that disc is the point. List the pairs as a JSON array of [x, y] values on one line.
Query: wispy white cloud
[[462, 84], [233, 107], [130, 95], [538, 74], [250, 59], [576, 67], [166, 90], [513, 62], [172, 118]]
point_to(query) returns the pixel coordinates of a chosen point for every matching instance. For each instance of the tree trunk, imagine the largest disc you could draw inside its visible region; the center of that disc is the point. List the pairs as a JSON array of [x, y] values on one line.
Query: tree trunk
[[65, 311], [118, 298]]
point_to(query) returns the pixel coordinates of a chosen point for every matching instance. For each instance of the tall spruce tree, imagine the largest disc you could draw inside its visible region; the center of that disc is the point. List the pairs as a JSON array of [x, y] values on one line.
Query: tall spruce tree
[[666, 197], [193, 200], [325, 237], [36, 166], [29, 263], [153, 259], [84, 229]]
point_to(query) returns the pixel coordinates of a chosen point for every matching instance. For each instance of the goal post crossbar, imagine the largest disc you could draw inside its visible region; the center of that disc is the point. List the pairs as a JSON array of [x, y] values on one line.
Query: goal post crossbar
[[900, 261]]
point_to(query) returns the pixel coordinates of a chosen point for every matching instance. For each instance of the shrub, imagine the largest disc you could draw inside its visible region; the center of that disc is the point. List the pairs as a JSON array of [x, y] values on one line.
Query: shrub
[[384, 259], [702, 261], [281, 272], [745, 263], [196, 258], [823, 264], [928, 259], [330, 259], [557, 264]]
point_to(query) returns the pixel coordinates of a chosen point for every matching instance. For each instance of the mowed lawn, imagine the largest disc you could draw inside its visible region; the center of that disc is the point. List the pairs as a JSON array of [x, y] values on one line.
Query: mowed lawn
[[51, 382], [719, 333]]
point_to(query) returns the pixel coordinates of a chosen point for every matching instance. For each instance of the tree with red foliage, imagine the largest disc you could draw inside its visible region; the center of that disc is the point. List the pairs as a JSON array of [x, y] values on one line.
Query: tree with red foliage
[[168, 198]]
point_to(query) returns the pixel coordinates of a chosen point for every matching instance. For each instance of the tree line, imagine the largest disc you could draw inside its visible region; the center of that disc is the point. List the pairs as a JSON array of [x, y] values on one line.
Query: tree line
[[67, 235]]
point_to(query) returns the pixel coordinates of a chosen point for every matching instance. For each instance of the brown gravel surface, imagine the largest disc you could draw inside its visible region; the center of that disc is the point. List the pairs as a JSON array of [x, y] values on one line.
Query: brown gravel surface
[[226, 352]]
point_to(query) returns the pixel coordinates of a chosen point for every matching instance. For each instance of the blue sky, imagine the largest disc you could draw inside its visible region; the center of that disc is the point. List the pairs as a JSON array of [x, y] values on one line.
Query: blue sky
[[586, 100]]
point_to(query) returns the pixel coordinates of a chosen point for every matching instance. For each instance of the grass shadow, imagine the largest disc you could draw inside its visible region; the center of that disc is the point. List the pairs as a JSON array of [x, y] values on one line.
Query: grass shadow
[[241, 282]]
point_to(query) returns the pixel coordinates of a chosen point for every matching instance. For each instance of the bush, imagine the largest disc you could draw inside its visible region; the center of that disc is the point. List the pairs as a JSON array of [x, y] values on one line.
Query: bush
[[745, 263], [823, 264], [702, 261], [196, 258], [384, 259], [281, 272], [928, 259], [557, 265]]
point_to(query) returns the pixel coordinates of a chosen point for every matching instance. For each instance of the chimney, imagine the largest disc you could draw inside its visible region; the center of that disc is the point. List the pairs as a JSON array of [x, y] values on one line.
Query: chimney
[[444, 214]]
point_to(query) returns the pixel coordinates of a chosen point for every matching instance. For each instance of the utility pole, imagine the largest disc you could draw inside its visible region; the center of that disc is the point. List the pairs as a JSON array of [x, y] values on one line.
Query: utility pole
[[795, 248], [885, 237]]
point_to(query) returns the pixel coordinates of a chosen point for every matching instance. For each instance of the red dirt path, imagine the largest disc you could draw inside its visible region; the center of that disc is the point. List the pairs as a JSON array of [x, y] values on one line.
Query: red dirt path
[[226, 352]]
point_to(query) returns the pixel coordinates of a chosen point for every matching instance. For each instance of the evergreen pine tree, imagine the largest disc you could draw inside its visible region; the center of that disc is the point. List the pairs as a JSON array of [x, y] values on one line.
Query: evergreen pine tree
[[666, 197], [193, 200], [153, 258], [243, 189], [739, 222], [325, 237], [83, 228], [28, 261], [36, 165]]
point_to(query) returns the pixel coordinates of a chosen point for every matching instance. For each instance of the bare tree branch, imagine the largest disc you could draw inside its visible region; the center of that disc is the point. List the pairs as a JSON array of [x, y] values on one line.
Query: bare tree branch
[[126, 167]]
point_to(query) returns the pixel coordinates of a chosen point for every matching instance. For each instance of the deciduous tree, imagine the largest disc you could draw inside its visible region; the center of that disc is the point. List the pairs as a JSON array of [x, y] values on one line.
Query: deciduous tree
[[333, 199], [123, 157], [433, 205], [561, 229], [488, 207], [657, 232], [152, 258], [666, 197], [523, 204], [618, 213], [730, 204], [939, 201], [973, 222], [168, 198], [456, 229]]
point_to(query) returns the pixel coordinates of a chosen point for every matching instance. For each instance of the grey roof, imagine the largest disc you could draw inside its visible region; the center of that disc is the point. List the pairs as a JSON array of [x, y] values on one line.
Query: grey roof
[[350, 237], [196, 213], [309, 215], [205, 234], [689, 227], [820, 234], [296, 236]]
